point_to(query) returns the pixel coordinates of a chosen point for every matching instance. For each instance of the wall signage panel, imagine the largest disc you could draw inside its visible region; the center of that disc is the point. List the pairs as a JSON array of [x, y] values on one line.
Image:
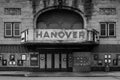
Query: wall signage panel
[[60, 35]]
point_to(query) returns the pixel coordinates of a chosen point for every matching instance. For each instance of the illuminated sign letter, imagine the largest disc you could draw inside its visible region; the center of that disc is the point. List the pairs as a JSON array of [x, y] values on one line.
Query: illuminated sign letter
[[38, 34], [74, 34], [68, 34], [53, 34], [81, 34], [46, 34], [61, 34]]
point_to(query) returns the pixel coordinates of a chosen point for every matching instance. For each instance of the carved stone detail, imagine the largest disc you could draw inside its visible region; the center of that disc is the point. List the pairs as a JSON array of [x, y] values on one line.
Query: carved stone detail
[[107, 11]]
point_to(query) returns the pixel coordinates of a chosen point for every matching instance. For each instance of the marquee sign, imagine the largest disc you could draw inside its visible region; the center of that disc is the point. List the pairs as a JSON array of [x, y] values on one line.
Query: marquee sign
[[61, 35]]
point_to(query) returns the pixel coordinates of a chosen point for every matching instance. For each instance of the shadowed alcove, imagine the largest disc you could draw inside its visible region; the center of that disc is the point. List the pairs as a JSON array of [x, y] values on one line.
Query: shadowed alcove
[[60, 19]]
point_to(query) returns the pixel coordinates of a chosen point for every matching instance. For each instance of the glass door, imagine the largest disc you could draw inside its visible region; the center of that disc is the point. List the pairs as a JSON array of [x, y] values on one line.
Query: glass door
[[49, 61], [56, 61], [63, 61], [42, 61]]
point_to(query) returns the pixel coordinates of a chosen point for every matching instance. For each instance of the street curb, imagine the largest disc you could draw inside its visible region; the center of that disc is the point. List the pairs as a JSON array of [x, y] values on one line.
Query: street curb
[[58, 74], [70, 75]]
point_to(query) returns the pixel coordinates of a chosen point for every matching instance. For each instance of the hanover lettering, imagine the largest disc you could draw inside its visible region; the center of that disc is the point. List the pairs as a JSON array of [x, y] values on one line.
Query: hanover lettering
[[60, 34]]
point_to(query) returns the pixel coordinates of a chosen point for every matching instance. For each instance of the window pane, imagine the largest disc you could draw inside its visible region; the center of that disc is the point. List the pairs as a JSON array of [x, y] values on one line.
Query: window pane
[[17, 32], [111, 32], [111, 26], [103, 32], [34, 59], [103, 26], [16, 26], [8, 25], [111, 29], [8, 29], [103, 29], [16, 29], [8, 32]]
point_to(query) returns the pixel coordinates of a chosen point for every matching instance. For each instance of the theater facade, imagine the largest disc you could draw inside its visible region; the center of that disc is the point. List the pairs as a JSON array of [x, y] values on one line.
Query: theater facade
[[60, 35]]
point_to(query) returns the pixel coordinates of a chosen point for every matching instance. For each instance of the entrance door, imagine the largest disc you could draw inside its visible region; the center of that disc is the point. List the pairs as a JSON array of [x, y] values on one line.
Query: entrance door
[[49, 61], [63, 61], [56, 61], [42, 61]]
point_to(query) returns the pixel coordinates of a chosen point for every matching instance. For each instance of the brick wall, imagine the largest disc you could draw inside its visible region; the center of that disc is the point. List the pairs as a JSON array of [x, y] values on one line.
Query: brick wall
[[26, 18], [97, 18]]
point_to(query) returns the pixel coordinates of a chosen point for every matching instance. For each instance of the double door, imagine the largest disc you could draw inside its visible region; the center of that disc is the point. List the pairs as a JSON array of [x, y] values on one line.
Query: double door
[[53, 61]]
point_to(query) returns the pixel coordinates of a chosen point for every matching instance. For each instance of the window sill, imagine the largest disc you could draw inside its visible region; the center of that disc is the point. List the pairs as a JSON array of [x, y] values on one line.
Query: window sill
[[12, 37], [107, 36]]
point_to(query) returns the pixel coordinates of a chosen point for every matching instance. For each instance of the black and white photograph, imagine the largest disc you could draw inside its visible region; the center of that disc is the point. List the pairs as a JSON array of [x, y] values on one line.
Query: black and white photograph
[[59, 40]]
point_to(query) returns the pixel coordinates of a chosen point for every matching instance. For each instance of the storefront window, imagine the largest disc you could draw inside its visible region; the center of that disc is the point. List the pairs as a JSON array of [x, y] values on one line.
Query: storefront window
[[24, 57], [95, 56], [115, 62], [34, 59], [118, 56], [4, 62], [106, 56], [20, 63], [12, 57], [109, 56], [100, 62]]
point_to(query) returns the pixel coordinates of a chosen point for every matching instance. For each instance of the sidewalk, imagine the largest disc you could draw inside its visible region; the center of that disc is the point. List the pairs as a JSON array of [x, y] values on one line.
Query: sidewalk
[[59, 74], [13, 73], [74, 74]]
